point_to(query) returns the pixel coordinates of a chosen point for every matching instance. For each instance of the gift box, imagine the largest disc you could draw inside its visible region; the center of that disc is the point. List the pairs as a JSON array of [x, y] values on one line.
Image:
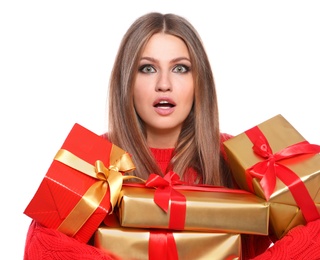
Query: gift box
[[274, 161], [140, 244], [211, 209], [81, 185]]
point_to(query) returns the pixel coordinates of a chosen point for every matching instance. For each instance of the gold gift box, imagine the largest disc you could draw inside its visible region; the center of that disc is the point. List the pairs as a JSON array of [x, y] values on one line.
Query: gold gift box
[[133, 244], [284, 212], [205, 211]]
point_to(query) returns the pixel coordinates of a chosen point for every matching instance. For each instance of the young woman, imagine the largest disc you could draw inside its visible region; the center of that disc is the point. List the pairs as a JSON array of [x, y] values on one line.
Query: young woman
[[163, 111]]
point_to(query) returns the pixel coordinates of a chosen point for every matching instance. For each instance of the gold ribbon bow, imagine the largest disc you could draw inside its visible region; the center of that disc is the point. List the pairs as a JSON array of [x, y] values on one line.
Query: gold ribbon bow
[[111, 177]]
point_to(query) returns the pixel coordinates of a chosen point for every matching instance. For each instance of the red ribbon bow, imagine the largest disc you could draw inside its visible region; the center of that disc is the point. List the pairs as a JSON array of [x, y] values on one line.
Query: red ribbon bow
[[165, 193], [271, 168]]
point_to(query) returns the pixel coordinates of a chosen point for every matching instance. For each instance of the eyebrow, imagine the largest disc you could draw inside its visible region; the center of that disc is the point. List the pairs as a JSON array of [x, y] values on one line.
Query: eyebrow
[[172, 61]]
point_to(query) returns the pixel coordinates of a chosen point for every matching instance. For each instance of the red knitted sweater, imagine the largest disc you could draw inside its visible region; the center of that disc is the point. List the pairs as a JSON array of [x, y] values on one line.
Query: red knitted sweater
[[302, 242]]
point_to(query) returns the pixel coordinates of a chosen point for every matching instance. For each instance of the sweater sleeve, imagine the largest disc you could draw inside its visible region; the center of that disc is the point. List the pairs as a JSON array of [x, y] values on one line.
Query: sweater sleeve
[[44, 243], [301, 242]]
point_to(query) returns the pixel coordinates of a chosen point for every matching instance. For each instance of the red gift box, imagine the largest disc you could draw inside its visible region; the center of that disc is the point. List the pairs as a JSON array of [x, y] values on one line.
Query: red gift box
[[81, 185]]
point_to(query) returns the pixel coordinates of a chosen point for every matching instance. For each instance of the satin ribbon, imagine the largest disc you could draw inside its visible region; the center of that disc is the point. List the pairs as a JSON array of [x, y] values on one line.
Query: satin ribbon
[[111, 176], [164, 193], [271, 168], [165, 188], [162, 246], [197, 187]]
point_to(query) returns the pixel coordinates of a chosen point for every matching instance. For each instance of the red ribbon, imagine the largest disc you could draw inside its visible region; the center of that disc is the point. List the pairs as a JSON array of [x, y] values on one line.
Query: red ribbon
[[198, 187], [166, 189], [271, 168], [162, 245], [165, 193]]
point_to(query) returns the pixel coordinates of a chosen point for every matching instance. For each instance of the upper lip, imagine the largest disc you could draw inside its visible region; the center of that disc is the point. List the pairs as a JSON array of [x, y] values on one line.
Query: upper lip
[[164, 100]]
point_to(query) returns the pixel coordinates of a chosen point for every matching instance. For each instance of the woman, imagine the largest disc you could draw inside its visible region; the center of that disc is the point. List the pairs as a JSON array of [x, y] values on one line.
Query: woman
[[163, 111]]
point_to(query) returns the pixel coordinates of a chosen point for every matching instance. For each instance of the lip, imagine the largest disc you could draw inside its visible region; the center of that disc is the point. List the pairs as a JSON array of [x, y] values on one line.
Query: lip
[[164, 111]]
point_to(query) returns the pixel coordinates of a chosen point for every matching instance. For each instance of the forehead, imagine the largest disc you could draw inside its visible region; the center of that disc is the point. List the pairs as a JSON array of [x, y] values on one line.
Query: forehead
[[164, 45]]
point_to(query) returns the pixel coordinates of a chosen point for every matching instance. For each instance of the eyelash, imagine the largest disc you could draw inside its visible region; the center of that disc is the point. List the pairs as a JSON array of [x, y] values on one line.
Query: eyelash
[[142, 67], [187, 68]]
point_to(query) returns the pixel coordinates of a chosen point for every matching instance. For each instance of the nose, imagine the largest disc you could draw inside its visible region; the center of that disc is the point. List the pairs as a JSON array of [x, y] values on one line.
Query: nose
[[164, 82]]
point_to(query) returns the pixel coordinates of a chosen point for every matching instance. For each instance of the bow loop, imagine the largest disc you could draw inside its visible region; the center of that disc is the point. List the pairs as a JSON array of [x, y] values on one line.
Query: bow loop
[[156, 181], [164, 193], [120, 160], [101, 171], [172, 178], [262, 148]]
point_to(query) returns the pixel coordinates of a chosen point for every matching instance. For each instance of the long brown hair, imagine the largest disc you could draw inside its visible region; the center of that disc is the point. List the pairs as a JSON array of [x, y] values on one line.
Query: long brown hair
[[198, 145]]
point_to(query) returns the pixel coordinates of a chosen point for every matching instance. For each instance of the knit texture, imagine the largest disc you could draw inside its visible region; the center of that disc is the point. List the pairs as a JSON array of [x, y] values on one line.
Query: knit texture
[[163, 157], [301, 242], [49, 244]]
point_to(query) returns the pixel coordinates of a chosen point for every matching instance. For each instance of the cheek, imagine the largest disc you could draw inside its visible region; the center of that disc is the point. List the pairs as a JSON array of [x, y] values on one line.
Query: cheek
[[189, 95], [136, 97], [137, 91], [185, 87], [140, 99], [141, 86], [137, 101]]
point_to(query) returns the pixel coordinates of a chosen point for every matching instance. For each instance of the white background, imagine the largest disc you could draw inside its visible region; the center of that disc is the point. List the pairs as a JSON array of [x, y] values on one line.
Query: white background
[[55, 62]]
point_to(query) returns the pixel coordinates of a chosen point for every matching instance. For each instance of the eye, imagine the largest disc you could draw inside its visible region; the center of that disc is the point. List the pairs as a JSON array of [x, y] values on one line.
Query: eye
[[147, 68], [181, 68]]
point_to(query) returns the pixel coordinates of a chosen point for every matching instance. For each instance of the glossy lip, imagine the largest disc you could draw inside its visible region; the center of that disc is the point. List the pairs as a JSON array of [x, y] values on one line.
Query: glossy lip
[[164, 111]]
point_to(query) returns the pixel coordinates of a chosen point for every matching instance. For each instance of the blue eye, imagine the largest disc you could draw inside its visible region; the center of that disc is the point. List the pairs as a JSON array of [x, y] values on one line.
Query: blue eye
[[181, 68], [147, 69]]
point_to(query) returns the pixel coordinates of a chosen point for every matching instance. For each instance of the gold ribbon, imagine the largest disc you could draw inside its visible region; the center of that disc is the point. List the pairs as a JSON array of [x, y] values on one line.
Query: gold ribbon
[[111, 177]]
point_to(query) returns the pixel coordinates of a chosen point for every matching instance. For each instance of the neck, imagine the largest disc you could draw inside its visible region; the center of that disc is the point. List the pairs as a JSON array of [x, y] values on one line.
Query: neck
[[163, 138]]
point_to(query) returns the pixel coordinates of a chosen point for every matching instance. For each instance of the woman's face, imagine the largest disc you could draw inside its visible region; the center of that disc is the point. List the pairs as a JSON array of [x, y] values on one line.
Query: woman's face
[[164, 88]]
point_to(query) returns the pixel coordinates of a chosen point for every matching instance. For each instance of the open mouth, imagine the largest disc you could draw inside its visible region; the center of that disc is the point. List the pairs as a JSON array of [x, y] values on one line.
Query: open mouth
[[164, 104]]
